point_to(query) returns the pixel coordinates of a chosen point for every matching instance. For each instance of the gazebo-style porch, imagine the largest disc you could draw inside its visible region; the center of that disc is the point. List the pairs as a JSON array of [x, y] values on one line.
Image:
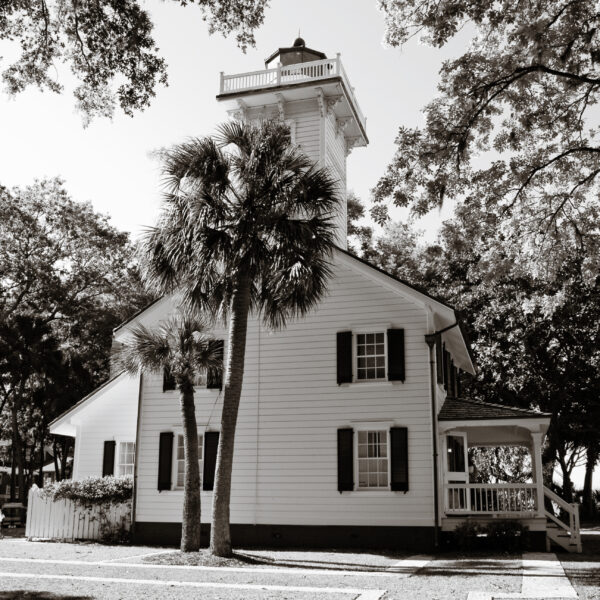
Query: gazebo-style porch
[[464, 424]]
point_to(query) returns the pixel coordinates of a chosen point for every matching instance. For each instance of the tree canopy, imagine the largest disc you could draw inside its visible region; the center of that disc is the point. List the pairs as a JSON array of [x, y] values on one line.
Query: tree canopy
[[107, 44], [536, 339], [67, 277], [514, 123]]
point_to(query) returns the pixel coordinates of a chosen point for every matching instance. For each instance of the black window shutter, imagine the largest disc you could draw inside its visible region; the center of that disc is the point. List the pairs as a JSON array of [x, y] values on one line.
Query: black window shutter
[[458, 384], [345, 460], [395, 339], [439, 359], [399, 457], [165, 454], [344, 357], [446, 362], [168, 380], [452, 387], [214, 377], [108, 458], [211, 445]]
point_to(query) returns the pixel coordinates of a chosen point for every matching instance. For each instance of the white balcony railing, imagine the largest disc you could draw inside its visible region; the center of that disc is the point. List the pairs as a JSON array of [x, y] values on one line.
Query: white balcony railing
[[283, 75], [490, 499]]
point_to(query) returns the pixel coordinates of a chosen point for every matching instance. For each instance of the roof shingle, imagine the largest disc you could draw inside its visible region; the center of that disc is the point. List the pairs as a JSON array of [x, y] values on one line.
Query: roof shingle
[[460, 409]]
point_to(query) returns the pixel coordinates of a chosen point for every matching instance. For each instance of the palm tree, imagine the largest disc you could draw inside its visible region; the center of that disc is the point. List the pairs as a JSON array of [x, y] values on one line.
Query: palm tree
[[247, 224], [181, 348]]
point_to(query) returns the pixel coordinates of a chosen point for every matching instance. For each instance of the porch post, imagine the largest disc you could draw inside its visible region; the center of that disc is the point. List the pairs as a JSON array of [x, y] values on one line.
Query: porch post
[[538, 478]]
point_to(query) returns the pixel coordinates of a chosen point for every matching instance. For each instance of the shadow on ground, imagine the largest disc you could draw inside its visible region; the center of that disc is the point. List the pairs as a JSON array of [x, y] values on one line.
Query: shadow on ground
[[25, 595]]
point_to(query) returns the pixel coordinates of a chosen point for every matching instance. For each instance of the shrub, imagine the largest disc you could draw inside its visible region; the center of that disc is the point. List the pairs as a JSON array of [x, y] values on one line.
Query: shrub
[[466, 536], [97, 495], [507, 535], [93, 491]]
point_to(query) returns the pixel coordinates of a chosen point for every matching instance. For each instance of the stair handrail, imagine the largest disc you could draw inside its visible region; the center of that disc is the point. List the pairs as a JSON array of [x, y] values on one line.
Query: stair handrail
[[572, 509]]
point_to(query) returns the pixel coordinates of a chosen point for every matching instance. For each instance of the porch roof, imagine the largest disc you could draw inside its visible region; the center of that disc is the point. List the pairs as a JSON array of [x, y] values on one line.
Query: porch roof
[[460, 409]]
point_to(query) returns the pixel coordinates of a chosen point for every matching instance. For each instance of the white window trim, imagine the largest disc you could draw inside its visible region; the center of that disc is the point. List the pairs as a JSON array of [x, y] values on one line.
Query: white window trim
[[355, 334], [117, 465], [201, 430], [371, 426]]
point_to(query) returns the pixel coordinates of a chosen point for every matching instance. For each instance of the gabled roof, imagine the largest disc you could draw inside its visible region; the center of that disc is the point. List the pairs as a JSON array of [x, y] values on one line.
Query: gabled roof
[[454, 337], [460, 409], [445, 318], [87, 399]]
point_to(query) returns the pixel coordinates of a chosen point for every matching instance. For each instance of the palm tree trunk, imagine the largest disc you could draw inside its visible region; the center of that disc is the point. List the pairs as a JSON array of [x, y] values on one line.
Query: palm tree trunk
[[190, 527], [220, 535]]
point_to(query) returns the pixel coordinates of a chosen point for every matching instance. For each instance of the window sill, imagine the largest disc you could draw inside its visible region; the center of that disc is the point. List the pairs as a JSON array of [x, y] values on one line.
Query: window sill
[[370, 384], [377, 493], [180, 491]]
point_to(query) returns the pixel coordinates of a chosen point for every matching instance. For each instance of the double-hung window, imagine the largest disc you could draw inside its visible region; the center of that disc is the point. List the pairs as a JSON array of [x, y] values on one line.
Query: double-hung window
[[370, 356], [180, 459], [373, 462], [126, 458]]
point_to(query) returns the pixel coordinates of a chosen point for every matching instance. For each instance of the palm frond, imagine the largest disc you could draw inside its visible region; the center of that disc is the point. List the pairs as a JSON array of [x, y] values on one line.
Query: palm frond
[[147, 350]]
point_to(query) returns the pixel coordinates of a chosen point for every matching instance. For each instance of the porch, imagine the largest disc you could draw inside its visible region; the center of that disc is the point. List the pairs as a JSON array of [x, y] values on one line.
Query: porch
[[466, 424]]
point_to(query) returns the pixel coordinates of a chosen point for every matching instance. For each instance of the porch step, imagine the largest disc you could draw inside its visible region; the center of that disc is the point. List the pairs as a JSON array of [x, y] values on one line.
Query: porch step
[[565, 535], [560, 537]]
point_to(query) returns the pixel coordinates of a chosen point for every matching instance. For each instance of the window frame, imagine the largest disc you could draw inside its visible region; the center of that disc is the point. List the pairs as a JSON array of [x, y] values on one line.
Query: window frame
[[365, 331], [369, 427], [174, 460], [117, 465]]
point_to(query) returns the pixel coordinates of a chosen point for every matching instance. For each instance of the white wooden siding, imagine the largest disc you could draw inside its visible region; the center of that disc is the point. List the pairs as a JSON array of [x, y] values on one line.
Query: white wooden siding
[[111, 416], [285, 466], [335, 160], [305, 114]]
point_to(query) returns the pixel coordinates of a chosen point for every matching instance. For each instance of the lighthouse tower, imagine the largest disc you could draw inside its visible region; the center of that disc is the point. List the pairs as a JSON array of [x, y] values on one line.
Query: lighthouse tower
[[312, 94]]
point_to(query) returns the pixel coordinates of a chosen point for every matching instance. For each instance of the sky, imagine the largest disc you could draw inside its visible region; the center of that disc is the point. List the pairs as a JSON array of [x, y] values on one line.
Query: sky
[[110, 163]]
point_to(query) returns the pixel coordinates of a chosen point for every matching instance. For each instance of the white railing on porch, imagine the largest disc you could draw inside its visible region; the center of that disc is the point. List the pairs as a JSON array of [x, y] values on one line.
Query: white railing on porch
[[567, 535], [490, 499], [282, 75]]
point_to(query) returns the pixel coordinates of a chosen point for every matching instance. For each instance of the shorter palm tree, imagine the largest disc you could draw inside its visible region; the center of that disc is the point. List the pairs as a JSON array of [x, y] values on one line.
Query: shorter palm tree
[[182, 348]]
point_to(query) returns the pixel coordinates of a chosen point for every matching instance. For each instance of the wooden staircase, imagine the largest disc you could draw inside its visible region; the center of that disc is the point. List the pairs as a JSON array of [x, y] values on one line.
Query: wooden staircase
[[558, 531]]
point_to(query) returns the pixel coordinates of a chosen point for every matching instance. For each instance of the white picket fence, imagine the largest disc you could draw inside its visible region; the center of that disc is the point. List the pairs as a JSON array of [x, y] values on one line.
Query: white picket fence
[[64, 520]]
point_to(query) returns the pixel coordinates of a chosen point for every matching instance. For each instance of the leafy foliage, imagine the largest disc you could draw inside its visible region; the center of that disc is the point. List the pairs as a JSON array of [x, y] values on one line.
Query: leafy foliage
[[502, 464], [507, 535], [107, 44], [535, 335], [513, 123], [245, 203], [180, 344], [91, 491], [67, 277]]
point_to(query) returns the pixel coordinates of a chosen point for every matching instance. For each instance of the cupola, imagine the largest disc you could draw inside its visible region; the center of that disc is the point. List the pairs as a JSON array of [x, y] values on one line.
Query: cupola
[[297, 53]]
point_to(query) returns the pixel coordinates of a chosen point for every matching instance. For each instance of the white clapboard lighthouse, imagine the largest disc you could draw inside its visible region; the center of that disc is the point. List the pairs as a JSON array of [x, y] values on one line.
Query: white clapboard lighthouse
[[313, 95]]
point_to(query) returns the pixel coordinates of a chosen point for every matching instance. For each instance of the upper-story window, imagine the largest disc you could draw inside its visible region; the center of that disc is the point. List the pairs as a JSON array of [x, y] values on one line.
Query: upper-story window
[[370, 356]]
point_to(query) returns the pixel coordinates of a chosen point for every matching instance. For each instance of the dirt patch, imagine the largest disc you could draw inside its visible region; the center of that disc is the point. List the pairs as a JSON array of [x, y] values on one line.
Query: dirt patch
[[306, 559]]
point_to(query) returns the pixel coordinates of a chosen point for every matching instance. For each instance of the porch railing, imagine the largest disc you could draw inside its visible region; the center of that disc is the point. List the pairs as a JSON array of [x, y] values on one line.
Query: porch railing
[[489, 499], [282, 75]]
